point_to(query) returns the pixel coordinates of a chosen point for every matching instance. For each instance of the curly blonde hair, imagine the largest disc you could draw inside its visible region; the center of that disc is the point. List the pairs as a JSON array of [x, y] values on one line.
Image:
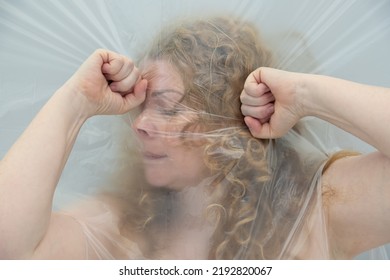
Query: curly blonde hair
[[214, 57]]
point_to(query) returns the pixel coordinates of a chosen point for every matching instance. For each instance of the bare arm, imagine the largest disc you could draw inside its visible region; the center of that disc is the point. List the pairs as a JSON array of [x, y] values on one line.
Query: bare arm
[[359, 204], [29, 173], [357, 108], [31, 169], [358, 211]]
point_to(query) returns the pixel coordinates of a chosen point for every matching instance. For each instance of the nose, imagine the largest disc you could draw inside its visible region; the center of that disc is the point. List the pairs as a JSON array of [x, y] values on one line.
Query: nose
[[144, 125]]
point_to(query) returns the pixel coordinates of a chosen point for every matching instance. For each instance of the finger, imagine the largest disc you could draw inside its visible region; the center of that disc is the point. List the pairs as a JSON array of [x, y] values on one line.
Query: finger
[[258, 112], [118, 68], [259, 130], [126, 85], [257, 101], [112, 66], [134, 99], [254, 89], [255, 76], [254, 126]]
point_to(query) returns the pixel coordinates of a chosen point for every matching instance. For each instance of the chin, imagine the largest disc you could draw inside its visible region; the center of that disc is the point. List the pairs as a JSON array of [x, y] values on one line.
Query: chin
[[157, 181], [164, 184], [157, 184], [165, 179]]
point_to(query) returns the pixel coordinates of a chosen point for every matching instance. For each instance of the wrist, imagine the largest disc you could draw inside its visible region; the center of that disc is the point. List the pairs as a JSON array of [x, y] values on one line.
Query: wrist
[[309, 89], [74, 104]]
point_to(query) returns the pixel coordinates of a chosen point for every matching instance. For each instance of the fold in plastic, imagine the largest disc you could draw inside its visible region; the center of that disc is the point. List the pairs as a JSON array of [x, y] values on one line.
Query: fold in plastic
[[181, 177]]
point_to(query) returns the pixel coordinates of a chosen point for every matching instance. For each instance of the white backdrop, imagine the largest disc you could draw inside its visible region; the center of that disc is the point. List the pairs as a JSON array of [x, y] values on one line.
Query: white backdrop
[[43, 42]]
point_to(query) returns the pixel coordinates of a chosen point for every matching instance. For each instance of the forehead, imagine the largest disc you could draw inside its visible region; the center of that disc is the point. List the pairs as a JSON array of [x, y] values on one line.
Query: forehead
[[162, 76]]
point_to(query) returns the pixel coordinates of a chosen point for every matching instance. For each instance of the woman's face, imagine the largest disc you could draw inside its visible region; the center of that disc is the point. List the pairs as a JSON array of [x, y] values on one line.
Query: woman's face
[[160, 127]]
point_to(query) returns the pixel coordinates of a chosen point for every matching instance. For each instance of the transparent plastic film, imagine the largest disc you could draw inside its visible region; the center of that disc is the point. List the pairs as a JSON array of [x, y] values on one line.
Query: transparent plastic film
[[180, 176]]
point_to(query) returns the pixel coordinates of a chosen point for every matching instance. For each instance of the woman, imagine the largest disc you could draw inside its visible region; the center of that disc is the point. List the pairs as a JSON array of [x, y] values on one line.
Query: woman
[[212, 190]]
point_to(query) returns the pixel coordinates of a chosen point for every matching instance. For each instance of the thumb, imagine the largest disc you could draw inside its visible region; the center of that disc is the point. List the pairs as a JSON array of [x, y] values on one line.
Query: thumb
[[138, 96], [257, 129]]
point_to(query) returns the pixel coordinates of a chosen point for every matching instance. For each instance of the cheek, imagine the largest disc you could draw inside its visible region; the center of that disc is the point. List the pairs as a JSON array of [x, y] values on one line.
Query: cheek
[[190, 162], [185, 167]]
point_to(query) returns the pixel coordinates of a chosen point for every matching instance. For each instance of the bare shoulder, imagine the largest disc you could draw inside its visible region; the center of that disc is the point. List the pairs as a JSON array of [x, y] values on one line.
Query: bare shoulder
[[356, 197], [67, 238]]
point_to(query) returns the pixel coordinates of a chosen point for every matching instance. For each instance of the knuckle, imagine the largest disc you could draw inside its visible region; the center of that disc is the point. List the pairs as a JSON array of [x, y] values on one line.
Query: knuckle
[[247, 87], [99, 51], [242, 97], [129, 64], [135, 70], [244, 110]]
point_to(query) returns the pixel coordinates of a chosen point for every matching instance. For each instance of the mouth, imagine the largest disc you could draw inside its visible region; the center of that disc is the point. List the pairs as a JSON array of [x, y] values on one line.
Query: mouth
[[154, 156]]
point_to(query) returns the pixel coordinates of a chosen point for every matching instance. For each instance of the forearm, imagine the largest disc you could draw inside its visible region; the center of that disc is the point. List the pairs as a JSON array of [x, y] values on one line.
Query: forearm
[[30, 172], [359, 109]]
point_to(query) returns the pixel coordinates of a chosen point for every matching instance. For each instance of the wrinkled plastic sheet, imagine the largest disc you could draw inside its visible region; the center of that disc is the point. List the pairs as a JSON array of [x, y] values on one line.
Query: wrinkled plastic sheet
[[43, 43]]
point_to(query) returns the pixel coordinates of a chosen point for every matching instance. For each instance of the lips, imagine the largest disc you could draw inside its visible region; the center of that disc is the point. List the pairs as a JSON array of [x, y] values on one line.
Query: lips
[[154, 156]]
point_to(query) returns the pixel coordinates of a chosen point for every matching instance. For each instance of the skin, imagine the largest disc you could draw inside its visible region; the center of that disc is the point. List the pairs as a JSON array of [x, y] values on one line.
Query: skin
[[358, 200], [167, 161], [273, 101], [32, 167]]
